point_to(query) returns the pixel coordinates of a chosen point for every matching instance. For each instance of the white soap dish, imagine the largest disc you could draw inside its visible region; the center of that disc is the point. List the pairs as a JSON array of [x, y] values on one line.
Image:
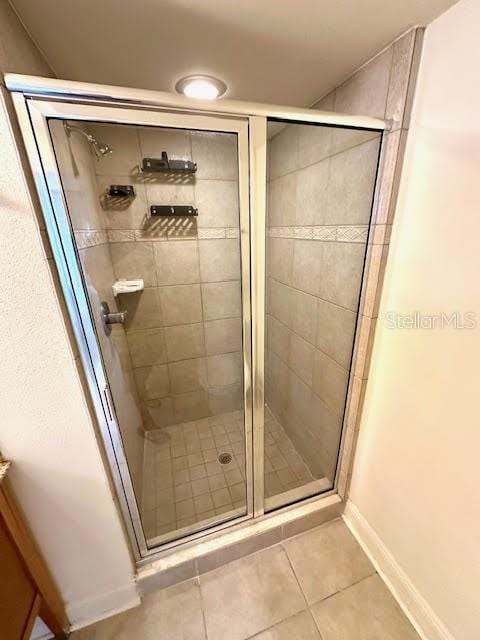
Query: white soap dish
[[127, 286]]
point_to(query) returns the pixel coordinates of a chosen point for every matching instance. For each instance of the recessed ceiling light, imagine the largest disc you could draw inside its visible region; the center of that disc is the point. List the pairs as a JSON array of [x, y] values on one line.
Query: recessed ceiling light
[[202, 87]]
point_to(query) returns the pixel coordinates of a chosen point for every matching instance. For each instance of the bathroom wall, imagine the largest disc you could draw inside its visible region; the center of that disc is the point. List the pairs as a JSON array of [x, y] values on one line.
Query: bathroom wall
[[415, 488], [57, 472], [184, 329], [320, 189], [77, 167]]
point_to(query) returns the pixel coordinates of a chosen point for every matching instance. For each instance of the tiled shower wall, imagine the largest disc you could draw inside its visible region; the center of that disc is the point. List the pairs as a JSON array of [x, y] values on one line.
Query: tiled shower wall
[[77, 170], [320, 194], [184, 329]]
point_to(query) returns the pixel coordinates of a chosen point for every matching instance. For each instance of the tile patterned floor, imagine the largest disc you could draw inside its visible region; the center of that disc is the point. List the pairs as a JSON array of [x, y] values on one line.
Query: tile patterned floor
[[183, 481], [318, 585], [185, 484]]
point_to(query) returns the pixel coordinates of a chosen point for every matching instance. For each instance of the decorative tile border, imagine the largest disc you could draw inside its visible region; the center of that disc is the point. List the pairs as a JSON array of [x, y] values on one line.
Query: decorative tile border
[[90, 238], [341, 233]]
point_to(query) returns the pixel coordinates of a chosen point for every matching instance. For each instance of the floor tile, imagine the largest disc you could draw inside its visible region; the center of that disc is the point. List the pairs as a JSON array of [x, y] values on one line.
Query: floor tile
[[366, 610], [327, 559], [162, 614], [250, 595], [299, 627]]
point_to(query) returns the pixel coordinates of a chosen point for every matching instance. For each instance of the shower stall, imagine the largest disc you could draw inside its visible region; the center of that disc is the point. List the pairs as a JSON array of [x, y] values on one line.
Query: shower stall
[[212, 259]]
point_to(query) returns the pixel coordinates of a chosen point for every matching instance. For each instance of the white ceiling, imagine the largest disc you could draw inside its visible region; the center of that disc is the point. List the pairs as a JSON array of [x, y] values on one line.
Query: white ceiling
[[278, 51]]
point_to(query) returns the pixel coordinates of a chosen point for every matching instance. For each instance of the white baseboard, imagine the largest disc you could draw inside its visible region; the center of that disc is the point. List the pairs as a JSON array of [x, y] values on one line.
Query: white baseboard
[[415, 607], [91, 610]]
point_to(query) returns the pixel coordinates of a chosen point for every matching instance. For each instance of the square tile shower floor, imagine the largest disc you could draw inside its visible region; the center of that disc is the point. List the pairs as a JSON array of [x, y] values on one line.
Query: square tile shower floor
[[184, 483], [318, 585]]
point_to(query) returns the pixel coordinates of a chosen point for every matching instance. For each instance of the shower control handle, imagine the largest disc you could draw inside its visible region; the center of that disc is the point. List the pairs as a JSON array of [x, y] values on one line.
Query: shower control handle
[[111, 317]]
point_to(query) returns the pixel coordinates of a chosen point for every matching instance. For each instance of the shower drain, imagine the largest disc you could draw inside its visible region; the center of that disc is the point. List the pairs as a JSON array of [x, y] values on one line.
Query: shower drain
[[224, 458]]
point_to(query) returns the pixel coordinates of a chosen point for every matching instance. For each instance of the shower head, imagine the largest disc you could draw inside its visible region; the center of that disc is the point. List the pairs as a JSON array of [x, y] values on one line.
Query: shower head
[[100, 149]]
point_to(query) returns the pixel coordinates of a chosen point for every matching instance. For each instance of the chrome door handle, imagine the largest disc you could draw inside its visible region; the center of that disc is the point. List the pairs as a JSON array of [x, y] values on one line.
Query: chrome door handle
[[110, 317]]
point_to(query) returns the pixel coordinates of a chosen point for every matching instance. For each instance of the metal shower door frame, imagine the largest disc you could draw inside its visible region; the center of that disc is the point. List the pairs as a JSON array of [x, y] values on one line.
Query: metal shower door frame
[[30, 93], [34, 116]]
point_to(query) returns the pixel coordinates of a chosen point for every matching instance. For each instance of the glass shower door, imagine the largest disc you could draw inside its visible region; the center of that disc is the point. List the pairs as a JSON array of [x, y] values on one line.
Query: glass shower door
[[319, 201], [155, 214]]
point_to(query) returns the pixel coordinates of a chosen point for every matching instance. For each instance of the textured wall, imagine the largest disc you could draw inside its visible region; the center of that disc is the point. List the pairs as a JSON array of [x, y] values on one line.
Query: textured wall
[[416, 477], [184, 329], [45, 428]]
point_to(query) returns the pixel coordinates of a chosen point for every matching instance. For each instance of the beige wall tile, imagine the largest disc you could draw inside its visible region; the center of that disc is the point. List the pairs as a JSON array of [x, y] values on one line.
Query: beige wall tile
[[219, 260], [335, 331], [162, 191], [225, 399], [314, 141], [279, 259], [177, 262], [282, 201], [304, 315], [146, 347], [191, 406], [351, 184], [224, 369], [154, 140], [300, 358], [152, 382], [132, 260], [143, 309], [122, 213], [283, 149], [279, 301], [399, 78], [217, 202], [341, 274], [157, 413], [308, 265], [312, 186], [126, 155], [186, 341], [215, 155], [330, 382], [278, 337], [221, 300], [223, 336], [187, 375], [181, 304]]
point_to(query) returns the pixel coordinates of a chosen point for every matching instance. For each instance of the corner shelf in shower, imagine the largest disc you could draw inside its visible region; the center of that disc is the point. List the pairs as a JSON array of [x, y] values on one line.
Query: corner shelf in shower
[[127, 286], [167, 165]]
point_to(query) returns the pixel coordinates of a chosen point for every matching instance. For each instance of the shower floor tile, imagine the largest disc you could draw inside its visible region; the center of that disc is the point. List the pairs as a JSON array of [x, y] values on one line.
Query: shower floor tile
[[184, 484]]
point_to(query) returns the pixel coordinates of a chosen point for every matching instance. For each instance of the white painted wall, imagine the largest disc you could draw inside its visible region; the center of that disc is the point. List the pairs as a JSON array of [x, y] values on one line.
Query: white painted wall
[[417, 473], [45, 428]]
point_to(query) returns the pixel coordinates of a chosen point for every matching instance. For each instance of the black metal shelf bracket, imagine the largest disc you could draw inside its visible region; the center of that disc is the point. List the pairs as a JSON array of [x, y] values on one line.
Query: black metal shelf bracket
[[120, 191], [167, 165], [173, 210]]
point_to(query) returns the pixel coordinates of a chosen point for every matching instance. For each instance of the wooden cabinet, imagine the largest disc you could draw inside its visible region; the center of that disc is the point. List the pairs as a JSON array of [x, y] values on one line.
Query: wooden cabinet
[[26, 587]]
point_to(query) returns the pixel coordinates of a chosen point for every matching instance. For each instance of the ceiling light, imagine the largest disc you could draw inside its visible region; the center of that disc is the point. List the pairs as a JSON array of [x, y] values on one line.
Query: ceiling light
[[201, 87]]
